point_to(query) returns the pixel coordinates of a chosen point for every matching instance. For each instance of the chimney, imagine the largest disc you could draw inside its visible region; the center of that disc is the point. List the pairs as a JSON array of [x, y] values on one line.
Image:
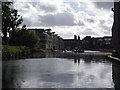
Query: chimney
[[75, 37], [78, 37]]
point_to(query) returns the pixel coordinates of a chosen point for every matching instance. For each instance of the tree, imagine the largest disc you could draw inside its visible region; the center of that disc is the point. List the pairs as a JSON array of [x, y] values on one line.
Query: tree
[[16, 20], [6, 14], [26, 38], [10, 20]]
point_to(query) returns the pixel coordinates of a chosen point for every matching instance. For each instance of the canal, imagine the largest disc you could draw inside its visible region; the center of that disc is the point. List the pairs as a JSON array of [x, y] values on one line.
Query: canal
[[62, 70]]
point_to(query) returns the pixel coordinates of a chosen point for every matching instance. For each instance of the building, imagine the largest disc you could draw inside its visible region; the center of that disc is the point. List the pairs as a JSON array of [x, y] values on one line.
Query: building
[[49, 40], [102, 42], [72, 44], [88, 43], [116, 30]]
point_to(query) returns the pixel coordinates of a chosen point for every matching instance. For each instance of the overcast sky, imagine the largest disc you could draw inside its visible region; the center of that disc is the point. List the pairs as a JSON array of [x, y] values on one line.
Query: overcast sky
[[68, 17]]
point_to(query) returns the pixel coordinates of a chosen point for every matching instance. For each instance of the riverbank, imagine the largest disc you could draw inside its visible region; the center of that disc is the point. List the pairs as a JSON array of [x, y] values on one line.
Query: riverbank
[[15, 52], [114, 58], [21, 52]]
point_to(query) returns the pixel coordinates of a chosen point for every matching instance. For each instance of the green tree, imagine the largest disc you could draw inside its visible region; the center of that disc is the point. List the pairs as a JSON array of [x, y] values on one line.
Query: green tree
[[10, 20], [6, 14], [26, 38], [16, 20]]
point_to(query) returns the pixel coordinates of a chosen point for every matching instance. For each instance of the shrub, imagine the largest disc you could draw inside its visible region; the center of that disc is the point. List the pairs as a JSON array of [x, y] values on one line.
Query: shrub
[[14, 52]]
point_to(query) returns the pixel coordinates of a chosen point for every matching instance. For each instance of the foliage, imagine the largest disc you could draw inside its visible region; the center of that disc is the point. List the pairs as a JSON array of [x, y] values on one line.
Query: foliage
[[14, 52], [10, 20], [26, 38], [6, 14]]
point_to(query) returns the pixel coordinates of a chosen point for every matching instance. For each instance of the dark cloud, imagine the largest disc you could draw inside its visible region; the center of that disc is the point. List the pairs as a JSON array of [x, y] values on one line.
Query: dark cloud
[[104, 5], [102, 21], [48, 8], [90, 20], [81, 23], [59, 19]]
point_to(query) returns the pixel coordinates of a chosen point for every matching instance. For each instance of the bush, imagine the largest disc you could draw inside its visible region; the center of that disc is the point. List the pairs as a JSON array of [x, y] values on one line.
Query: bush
[[14, 52], [26, 38]]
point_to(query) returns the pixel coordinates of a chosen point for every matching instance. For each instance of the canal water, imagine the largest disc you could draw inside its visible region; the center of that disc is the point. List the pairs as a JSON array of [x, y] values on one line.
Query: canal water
[[62, 70]]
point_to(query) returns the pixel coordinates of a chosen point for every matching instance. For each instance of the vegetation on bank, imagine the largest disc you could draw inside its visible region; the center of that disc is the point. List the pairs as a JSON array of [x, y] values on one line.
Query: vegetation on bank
[[16, 42], [15, 52], [20, 52]]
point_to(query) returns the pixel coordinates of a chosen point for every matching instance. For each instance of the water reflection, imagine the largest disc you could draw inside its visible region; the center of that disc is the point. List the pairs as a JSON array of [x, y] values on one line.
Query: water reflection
[[65, 71], [116, 75], [77, 60]]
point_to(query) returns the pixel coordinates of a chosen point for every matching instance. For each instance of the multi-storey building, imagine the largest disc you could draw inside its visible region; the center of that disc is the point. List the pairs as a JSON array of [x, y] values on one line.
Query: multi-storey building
[[49, 40]]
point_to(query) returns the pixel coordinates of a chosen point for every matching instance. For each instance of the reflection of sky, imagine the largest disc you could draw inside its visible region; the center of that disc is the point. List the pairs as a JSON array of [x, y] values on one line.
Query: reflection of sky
[[61, 73]]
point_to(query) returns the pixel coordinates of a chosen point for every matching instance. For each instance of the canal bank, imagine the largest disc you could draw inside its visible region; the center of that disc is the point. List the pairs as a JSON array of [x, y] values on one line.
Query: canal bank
[[19, 54], [114, 58]]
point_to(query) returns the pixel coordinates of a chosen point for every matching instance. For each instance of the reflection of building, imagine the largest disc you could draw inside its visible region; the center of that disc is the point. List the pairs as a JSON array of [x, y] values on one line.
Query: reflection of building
[[77, 60], [49, 40], [116, 75], [116, 29]]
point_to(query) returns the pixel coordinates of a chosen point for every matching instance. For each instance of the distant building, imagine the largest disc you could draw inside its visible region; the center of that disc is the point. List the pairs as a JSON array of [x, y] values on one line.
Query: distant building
[[87, 43], [72, 44], [99, 42], [102, 42], [108, 40]]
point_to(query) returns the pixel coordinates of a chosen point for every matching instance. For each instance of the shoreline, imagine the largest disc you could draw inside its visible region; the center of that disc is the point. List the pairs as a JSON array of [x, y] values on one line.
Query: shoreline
[[114, 58]]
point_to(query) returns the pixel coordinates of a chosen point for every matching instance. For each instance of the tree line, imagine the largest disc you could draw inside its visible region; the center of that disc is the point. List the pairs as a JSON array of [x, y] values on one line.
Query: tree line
[[10, 26]]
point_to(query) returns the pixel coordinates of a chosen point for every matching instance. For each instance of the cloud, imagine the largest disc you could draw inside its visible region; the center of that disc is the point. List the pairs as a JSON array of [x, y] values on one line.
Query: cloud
[[60, 19], [89, 31], [68, 18], [64, 18], [104, 5]]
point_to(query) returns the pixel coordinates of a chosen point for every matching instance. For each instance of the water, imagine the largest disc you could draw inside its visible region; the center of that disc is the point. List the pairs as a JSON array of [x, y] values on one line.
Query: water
[[64, 70]]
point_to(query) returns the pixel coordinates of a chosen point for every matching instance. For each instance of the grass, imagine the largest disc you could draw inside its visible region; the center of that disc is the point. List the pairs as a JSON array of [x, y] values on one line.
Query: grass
[[14, 52]]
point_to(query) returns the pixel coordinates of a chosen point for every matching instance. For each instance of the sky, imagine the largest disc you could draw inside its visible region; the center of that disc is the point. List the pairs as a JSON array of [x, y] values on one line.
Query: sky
[[68, 17]]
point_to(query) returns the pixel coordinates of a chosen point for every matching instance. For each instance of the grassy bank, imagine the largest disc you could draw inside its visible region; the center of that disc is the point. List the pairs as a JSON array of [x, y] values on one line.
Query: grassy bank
[[15, 52]]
